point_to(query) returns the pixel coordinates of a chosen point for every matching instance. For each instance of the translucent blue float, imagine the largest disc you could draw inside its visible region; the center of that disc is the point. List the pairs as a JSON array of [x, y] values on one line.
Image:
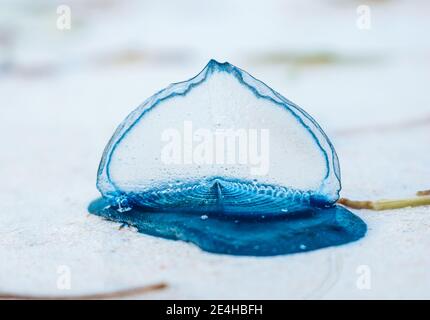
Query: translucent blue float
[[226, 147]]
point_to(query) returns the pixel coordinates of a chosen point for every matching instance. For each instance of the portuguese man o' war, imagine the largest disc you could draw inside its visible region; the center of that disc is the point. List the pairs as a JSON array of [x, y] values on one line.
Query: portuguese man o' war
[[227, 163]]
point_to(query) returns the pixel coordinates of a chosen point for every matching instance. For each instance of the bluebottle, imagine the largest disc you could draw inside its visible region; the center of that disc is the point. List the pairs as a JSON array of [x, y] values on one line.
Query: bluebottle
[[229, 164]]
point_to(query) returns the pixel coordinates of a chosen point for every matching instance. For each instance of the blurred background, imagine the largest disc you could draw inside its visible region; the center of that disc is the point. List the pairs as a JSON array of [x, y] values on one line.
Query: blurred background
[[80, 66], [72, 70]]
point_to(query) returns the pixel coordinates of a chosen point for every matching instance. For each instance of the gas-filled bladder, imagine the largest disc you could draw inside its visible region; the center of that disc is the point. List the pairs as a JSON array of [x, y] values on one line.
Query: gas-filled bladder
[[225, 146]]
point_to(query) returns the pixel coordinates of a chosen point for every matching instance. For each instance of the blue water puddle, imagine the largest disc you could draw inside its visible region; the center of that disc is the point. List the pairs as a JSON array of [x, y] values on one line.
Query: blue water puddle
[[246, 235]]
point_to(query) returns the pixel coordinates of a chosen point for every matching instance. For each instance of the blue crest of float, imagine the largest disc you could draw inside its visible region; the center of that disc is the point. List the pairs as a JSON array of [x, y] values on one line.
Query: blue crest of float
[[303, 168]]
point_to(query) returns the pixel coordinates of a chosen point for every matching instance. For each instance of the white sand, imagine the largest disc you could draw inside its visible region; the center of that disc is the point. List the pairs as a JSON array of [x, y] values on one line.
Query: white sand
[[55, 125]]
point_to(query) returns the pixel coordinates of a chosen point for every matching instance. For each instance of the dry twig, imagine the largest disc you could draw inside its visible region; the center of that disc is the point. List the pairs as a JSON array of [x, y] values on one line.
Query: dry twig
[[423, 193], [420, 200], [98, 296]]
